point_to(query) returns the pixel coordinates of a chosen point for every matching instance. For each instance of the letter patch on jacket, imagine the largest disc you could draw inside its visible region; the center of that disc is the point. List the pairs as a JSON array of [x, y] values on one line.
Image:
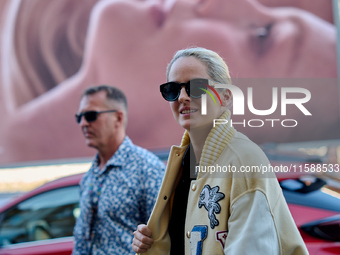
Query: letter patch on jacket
[[209, 198], [221, 237], [198, 235]]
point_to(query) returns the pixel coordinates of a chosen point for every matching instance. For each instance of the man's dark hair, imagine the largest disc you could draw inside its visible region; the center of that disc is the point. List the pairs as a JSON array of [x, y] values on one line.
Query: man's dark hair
[[112, 93]]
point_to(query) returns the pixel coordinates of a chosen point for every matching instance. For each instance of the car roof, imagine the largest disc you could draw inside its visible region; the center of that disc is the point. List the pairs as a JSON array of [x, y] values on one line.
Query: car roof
[[66, 181]]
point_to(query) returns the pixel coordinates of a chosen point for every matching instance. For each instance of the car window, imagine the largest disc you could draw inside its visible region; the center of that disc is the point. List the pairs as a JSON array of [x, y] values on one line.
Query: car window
[[311, 191], [45, 216]]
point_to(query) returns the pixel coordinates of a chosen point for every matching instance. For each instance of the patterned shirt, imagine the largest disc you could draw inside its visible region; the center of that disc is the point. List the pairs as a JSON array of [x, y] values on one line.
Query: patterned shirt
[[115, 199]]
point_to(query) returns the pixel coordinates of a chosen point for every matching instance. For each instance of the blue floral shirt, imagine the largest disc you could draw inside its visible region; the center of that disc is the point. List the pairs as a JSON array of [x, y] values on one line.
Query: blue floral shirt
[[114, 200]]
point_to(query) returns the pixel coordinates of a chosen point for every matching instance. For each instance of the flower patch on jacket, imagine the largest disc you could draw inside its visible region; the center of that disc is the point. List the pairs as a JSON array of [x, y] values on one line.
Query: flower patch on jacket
[[209, 198]]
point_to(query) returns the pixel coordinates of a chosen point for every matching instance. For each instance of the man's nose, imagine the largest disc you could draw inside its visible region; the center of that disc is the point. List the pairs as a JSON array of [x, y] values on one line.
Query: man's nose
[[83, 122]]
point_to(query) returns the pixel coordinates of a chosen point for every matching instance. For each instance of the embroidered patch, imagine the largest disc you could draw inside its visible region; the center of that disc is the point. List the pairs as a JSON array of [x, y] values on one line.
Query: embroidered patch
[[198, 235], [221, 237], [209, 198]]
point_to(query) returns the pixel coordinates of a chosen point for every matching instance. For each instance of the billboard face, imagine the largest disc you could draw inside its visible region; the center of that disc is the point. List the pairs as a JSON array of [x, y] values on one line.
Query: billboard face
[[52, 50]]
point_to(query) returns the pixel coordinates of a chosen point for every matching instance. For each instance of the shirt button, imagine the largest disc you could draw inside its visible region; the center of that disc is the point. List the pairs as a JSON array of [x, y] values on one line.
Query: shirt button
[[188, 234], [193, 187]]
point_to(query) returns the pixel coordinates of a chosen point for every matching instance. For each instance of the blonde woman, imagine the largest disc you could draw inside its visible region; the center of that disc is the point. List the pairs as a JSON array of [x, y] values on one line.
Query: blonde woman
[[213, 212]]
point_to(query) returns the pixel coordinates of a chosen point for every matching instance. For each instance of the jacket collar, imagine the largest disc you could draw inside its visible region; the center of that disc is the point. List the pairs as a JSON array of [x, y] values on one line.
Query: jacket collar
[[218, 138]]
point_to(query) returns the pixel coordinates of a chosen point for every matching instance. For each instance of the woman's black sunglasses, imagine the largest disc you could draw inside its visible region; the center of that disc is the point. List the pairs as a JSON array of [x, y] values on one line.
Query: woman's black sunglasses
[[90, 116], [194, 88]]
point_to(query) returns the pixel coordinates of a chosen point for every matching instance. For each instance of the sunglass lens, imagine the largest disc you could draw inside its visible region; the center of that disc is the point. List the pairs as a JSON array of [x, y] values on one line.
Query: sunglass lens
[[90, 116], [78, 118], [170, 91], [197, 87]]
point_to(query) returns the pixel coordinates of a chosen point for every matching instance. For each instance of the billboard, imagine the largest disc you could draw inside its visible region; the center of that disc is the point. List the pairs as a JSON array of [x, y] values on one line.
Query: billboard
[[52, 50]]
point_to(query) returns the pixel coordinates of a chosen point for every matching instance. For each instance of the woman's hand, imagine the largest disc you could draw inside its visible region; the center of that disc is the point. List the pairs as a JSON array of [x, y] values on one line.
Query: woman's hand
[[142, 240]]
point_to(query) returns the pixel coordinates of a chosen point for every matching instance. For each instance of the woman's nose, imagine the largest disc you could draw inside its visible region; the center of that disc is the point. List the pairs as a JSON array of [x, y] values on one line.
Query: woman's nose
[[183, 95]]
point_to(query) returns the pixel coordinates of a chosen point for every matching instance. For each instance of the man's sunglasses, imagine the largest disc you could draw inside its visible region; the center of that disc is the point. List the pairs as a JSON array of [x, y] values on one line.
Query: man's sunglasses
[[195, 88], [90, 116]]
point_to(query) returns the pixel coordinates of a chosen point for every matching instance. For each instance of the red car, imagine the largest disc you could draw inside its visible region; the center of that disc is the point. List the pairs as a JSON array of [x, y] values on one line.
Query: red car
[[41, 221]]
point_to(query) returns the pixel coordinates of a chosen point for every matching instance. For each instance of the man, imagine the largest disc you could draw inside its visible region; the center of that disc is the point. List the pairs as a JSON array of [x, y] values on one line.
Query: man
[[119, 190]]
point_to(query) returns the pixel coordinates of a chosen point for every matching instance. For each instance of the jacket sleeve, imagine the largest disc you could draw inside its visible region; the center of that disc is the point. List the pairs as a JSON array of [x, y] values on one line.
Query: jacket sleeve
[[251, 227]]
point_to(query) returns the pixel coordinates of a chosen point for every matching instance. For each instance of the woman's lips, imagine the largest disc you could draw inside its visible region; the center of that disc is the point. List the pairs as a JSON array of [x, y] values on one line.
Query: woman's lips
[[158, 14]]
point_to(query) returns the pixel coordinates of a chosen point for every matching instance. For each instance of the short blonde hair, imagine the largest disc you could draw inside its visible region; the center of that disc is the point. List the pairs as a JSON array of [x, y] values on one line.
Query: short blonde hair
[[216, 67]]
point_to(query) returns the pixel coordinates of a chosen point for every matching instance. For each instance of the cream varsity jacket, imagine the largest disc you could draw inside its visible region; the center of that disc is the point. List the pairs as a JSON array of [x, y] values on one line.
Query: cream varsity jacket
[[228, 212]]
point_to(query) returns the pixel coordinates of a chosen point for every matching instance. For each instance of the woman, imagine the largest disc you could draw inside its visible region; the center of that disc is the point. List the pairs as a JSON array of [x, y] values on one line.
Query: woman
[[230, 213], [126, 43]]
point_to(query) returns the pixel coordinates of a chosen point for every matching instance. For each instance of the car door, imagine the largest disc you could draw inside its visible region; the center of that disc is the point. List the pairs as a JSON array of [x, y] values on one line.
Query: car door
[[41, 224]]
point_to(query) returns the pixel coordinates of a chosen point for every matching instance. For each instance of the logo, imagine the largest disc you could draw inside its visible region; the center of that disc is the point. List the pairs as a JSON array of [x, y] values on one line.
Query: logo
[[204, 99], [302, 96], [238, 100]]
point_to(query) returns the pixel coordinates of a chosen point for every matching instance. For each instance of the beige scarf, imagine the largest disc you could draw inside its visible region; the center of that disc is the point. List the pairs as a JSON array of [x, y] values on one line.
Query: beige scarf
[[218, 138]]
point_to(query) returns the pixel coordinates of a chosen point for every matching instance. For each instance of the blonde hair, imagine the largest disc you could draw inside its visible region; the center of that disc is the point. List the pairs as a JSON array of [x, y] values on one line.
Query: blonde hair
[[216, 67]]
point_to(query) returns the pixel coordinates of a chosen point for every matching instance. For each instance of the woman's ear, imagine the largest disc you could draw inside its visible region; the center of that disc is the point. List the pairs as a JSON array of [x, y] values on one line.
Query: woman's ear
[[227, 98]]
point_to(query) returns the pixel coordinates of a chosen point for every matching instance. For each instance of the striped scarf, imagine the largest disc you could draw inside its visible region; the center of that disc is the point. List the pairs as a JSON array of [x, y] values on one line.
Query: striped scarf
[[218, 138]]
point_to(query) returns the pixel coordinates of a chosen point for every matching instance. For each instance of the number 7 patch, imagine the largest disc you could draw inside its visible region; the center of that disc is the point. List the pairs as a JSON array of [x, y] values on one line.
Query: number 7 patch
[[198, 235]]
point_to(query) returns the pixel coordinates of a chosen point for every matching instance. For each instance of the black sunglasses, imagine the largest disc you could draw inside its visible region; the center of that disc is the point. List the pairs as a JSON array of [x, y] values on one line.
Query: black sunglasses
[[195, 88], [90, 116]]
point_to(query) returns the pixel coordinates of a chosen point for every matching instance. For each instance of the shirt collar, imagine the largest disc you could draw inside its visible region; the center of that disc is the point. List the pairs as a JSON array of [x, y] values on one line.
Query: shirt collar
[[119, 157]]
